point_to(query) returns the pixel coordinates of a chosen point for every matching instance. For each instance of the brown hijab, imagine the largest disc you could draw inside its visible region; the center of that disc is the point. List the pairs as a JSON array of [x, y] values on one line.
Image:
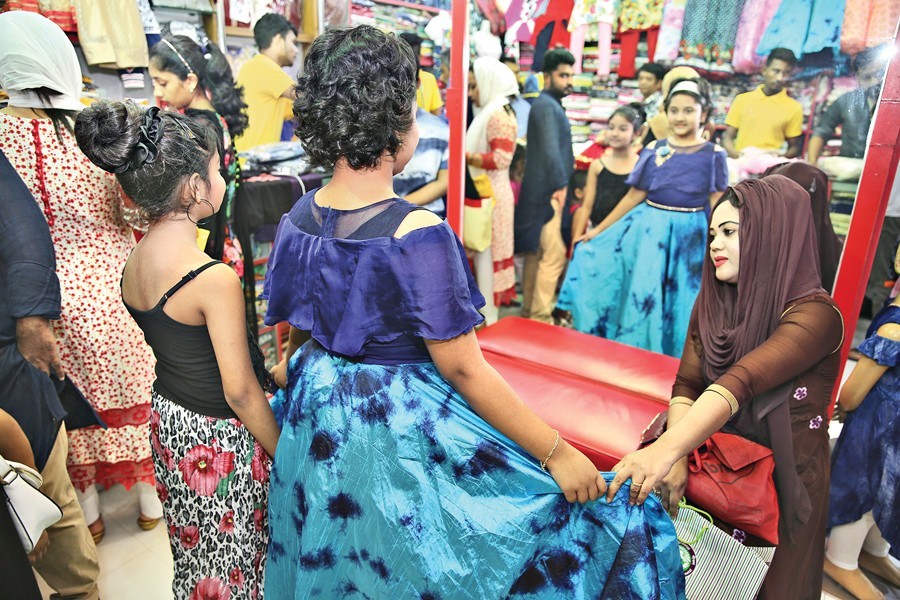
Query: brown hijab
[[778, 263], [814, 181]]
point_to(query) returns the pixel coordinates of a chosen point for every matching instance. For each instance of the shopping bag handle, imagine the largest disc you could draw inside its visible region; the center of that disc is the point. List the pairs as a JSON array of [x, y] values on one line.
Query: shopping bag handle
[[683, 505]]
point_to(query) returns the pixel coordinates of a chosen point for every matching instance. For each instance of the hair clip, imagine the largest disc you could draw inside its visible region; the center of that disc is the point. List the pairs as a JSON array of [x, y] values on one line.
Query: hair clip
[[204, 48], [146, 149]]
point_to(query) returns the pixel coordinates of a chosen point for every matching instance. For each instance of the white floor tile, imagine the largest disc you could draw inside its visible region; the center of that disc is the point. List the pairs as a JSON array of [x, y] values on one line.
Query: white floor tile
[[144, 577]]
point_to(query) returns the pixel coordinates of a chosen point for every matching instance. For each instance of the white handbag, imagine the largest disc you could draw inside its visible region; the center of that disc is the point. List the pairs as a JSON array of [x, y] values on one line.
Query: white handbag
[[31, 510]]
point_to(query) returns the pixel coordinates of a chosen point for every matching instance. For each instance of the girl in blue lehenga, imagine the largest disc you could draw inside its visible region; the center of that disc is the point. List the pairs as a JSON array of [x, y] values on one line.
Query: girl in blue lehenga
[[407, 467], [637, 274]]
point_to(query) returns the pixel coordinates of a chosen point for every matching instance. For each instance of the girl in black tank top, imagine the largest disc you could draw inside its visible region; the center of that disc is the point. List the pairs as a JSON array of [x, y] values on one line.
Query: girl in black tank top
[[212, 430], [608, 174]]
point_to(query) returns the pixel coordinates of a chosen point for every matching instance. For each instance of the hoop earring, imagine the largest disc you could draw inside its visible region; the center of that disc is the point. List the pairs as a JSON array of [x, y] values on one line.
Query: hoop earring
[[187, 211]]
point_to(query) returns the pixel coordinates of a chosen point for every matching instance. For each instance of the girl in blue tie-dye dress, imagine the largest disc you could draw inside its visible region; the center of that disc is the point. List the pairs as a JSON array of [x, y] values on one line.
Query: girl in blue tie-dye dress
[[407, 467], [634, 277]]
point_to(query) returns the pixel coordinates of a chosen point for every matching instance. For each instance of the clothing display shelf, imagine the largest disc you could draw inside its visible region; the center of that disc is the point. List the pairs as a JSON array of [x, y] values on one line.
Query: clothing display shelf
[[411, 5]]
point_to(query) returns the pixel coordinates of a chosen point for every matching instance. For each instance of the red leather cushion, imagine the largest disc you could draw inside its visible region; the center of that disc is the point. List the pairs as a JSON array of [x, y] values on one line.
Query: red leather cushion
[[611, 363], [602, 421]]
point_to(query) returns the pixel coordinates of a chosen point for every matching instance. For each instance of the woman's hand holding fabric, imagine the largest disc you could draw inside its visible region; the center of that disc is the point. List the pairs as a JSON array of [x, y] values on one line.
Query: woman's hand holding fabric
[[575, 474], [673, 485], [279, 373], [585, 237], [646, 468]]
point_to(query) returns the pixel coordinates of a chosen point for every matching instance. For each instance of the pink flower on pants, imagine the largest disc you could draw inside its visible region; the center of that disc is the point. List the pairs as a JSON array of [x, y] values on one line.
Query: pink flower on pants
[[211, 588], [236, 578], [189, 536], [168, 458], [259, 465], [800, 393], [203, 467], [259, 516], [162, 491], [226, 525], [815, 423]]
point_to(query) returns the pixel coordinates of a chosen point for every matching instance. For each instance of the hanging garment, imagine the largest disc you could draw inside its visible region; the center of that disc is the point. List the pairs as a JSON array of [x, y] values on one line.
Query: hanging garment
[[600, 19], [868, 23], [112, 33], [558, 13], [628, 45], [805, 26], [755, 18], [519, 21], [640, 14], [61, 12], [669, 40], [710, 28], [493, 15], [636, 16]]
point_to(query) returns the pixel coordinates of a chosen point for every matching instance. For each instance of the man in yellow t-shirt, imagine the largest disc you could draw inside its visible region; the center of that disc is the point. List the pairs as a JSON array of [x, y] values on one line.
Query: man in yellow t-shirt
[[428, 96], [767, 117], [268, 90]]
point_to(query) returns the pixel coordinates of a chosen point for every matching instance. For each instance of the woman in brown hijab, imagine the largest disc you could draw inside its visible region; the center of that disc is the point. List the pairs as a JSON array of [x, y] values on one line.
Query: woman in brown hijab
[[760, 360], [815, 181]]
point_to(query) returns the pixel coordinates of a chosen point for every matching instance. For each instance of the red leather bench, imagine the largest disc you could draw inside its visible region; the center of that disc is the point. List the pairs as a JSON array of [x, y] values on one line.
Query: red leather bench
[[599, 394]]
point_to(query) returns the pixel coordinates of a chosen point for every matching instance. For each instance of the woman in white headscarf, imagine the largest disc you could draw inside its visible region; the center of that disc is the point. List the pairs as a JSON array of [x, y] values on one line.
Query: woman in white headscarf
[[101, 348], [490, 145]]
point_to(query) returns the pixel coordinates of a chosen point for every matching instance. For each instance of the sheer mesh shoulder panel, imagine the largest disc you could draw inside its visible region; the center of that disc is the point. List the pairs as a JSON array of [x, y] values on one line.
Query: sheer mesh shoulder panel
[[376, 220]]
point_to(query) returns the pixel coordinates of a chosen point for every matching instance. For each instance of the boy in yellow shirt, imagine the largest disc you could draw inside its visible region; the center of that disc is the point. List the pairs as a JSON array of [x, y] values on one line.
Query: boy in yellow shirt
[[767, 117], [268, 90], [428, 96]]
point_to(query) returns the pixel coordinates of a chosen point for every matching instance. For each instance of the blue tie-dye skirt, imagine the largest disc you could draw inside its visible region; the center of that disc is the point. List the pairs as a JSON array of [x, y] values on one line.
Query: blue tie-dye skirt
[[387, 485], [636, 282]]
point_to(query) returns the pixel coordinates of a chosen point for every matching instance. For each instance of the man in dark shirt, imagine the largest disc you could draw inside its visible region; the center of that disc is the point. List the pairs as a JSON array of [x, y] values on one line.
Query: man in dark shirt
[[29, 357], [853, 111], [549, 163]]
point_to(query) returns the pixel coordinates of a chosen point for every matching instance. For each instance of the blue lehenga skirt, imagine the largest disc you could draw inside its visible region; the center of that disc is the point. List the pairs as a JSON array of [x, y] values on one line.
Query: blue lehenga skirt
[[387, 485], [636, 282]]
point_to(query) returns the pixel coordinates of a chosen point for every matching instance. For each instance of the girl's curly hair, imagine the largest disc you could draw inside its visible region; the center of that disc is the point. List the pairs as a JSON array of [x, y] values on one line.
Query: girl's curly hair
[[356, 97]]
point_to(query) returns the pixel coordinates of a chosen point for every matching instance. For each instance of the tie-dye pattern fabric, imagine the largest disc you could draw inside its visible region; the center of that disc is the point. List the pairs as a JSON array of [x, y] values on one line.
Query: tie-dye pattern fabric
[[865, 465], [636, 282], [387, 485], [622, 288]]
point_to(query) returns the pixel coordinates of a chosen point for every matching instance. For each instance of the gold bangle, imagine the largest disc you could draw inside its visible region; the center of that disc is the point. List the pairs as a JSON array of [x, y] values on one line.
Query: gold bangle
[[681, 401], [543, 463], [726, 395]]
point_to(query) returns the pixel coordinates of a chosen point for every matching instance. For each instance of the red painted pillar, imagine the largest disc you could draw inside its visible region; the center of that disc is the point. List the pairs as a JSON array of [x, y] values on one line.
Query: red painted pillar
[[871, 203], [456, 112]]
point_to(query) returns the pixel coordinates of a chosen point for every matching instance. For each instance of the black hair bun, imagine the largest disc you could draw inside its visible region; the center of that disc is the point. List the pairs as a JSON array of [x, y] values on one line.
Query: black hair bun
[[107, 131]]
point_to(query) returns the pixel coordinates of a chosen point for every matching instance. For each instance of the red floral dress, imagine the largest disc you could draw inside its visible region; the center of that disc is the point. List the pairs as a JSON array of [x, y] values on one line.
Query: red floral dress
[[501, 134], [101, 347]]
